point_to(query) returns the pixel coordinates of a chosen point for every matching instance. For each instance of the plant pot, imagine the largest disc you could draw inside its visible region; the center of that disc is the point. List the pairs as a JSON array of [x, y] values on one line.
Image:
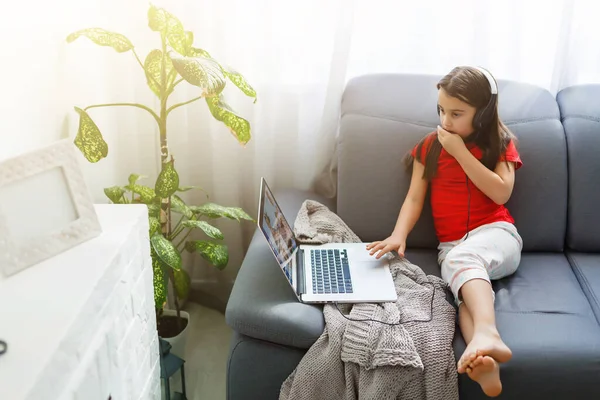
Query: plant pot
[[179, 340]]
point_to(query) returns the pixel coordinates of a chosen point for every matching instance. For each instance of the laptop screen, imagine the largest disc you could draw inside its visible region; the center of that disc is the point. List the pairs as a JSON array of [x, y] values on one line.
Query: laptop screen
[[277, 230]]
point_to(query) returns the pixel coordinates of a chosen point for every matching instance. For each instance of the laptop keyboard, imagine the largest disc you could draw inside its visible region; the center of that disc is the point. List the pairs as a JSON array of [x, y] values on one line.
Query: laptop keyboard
[[330, 271]]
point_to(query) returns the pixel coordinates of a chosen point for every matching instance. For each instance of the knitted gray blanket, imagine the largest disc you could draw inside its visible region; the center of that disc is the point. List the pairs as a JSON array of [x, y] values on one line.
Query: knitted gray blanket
[[371, 360]]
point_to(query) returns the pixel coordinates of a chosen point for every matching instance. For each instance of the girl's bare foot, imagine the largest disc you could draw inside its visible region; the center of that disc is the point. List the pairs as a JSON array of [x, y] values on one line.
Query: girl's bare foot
[[484, 343], [487, 374], [477, 361]]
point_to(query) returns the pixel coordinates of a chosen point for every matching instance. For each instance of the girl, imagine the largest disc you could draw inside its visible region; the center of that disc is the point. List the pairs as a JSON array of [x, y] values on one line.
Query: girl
[[470, 163]]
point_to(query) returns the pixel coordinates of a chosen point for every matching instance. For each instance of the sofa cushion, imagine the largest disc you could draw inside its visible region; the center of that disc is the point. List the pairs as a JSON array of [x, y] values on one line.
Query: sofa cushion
[[426, 259], [256, 369], [262, 304], [539, 199], [382, 117], [545, 318], [544, 283], [587, 269], [385, 115], [580, 113]]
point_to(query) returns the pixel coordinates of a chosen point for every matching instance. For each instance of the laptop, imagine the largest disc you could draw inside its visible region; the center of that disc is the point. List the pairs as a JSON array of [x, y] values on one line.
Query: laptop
[[327, 273]]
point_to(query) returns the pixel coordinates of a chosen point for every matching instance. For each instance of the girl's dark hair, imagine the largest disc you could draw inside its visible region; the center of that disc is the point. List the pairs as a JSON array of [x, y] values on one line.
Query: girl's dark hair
[[471, 86]]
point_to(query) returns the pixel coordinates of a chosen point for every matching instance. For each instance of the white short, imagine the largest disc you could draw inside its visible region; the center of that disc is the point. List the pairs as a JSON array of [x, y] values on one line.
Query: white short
[[490, 252]]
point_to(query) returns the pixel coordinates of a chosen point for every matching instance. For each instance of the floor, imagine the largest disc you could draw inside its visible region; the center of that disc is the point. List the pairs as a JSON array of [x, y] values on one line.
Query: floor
[[206, 353]]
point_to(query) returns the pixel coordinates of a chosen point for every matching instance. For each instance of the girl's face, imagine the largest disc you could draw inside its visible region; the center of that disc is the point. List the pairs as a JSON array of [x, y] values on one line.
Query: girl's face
[[456, 116]]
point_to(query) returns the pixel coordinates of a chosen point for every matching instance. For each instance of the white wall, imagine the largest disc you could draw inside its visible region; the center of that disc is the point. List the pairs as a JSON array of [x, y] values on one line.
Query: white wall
[[43, 77]]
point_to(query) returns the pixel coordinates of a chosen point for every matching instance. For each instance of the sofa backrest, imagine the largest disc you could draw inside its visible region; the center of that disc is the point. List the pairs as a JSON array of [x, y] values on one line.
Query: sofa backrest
[[384, 115], [580, 114]]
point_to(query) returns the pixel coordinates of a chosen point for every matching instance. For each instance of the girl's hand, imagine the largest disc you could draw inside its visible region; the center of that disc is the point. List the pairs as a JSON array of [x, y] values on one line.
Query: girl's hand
[[391, 243], [451, 142]]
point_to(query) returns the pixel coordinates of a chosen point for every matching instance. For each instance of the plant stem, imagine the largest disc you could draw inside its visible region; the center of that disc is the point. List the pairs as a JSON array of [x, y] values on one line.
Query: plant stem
[[175, 233], [183, 104], [178, 231], [183, 240], [177, 82], [165, 206], [164, 150], [143, 107], [175, 299]]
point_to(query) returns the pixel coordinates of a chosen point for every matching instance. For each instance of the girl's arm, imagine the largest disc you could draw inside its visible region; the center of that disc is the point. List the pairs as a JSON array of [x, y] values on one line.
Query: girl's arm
[[413, 204], [409, 215], [497, 185]]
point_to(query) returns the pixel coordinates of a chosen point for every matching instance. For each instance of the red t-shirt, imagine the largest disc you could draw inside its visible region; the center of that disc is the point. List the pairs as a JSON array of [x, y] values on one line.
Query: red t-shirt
[[453, 216]]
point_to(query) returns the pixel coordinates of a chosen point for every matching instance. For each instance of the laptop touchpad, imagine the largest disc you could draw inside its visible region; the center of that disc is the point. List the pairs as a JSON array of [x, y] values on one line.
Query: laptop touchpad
[[359, 255]]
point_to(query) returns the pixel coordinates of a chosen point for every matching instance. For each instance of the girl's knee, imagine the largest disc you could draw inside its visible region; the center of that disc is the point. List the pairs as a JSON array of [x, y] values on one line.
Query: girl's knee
[[457, 260], [457, 277]]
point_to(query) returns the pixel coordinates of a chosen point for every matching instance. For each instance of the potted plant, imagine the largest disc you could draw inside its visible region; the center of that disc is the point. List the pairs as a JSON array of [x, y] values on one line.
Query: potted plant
[[171, 220]]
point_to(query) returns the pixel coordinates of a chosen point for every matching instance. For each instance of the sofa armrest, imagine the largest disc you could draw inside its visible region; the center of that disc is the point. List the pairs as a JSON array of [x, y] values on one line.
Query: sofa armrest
[[262, 305]]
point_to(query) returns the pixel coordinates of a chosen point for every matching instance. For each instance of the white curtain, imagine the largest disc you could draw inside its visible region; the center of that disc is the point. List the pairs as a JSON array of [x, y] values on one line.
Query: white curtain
[[298, 55]]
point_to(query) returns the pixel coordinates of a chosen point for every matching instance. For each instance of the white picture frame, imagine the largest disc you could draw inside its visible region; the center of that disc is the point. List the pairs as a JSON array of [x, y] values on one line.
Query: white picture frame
[[45, 206]]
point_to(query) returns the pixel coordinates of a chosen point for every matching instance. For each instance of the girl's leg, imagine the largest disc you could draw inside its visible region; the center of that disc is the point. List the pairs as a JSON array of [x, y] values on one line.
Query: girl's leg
[[465, 322], [485, 340], [483, 369], [491, 251]]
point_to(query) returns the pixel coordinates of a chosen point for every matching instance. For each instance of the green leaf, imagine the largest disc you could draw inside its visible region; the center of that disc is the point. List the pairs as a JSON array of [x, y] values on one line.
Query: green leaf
[[146, 193], [166, 251], [160, 20], [89, 140], [216, 254], [189, 36], [133, 178], [238, 126], [235, 77], [154, 226], [195, 52], [179, 206], [103, 37], [186, 188], [154, 209], [210, 230], [153, 69], [200, 71], [182, 284], [167, 181], [177, 38], [156, 19], [212, 210], [115, 194], [239, 81], [160, 281]]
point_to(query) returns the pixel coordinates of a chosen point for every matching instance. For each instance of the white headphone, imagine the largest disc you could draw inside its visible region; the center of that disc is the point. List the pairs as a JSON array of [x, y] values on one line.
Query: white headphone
[[493, 87], [482, 117]]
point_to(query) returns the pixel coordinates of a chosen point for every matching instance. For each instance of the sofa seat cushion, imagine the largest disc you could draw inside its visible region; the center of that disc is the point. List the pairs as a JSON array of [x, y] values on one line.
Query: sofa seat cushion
[[587, 269], [545, 318], [426, 259], [262, 304], [580, 114]]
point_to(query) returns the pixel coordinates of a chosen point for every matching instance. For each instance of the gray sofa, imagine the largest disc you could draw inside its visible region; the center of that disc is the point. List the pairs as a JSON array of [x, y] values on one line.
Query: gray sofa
[[548, 312]]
